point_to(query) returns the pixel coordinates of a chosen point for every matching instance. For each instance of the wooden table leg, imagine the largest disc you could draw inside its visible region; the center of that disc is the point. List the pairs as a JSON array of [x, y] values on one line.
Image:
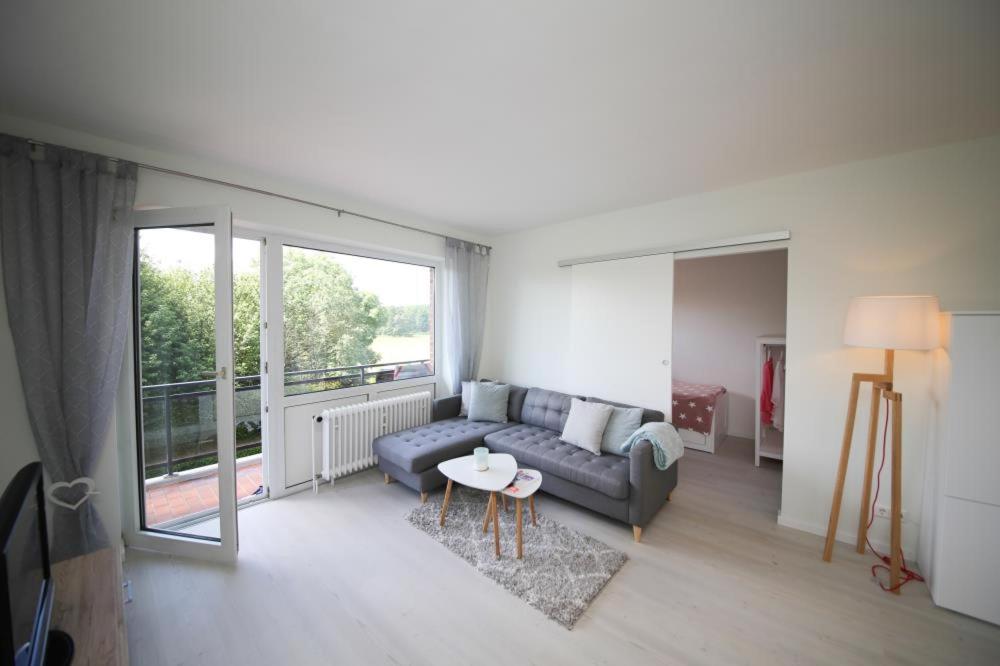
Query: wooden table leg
[[531, 505], [520, 537], [503, 498], [444, 505], [496, 525], [489, 514]]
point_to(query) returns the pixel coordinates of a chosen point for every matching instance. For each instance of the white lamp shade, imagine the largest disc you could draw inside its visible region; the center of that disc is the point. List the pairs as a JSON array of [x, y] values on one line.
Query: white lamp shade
[[893, 322]]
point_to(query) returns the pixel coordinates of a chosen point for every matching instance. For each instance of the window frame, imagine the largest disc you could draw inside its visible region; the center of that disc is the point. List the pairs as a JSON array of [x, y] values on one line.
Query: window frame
[[366, 388], [276, 310]]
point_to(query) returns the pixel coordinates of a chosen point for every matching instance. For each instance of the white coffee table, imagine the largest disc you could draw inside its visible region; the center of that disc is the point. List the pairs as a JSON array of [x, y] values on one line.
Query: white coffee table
[[502, 469]]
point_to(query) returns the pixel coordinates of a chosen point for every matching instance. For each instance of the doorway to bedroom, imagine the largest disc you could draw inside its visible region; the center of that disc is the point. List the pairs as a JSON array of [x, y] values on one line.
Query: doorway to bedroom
[[728, 389]]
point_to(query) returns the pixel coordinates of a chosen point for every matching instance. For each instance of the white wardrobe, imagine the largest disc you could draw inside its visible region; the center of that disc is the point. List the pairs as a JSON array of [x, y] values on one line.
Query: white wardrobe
[[960, 529]]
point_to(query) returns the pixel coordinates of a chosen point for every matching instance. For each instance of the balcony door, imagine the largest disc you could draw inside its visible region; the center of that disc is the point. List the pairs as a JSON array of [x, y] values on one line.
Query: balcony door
[[182, 385]]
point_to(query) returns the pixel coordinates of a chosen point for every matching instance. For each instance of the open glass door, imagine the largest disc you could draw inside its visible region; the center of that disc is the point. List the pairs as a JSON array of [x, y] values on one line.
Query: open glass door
[[182, 384]]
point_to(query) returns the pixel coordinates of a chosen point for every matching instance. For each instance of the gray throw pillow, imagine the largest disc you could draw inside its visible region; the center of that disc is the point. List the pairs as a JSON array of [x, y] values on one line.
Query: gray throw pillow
[[623, 422], [488, 402], [585, 424]]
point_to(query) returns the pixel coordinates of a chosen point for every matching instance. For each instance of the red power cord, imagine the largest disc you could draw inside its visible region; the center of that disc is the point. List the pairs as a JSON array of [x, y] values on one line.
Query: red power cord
[[907, 574]]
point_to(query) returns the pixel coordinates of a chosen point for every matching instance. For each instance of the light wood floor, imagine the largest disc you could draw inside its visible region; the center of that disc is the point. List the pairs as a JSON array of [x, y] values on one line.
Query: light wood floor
[[342, 578]]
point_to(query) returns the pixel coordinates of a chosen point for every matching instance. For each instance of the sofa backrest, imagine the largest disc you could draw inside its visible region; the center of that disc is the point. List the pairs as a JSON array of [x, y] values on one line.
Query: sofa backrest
[[546, 409], [515, 404], [647, 414]]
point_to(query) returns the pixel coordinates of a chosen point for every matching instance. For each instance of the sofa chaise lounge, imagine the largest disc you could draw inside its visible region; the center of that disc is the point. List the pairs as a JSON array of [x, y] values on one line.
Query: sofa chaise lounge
[[627, 488]]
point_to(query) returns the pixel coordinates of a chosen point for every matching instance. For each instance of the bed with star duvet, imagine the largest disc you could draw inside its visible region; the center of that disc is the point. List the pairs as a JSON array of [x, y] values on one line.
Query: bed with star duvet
[[700, 414]]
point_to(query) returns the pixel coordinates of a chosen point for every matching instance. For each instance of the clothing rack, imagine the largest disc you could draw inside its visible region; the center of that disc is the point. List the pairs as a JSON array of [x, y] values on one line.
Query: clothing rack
[[769, 441]]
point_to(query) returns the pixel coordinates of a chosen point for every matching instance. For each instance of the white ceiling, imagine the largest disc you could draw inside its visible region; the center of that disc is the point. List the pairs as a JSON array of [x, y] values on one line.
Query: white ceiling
[[497, 116]]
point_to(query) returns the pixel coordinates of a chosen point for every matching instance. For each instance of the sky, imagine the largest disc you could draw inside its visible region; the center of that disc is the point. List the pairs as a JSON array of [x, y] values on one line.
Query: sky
[[393, 282]]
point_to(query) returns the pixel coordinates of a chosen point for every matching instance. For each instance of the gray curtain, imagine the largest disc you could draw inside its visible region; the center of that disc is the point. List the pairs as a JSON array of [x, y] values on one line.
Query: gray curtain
[[466, 270], [67, 257]]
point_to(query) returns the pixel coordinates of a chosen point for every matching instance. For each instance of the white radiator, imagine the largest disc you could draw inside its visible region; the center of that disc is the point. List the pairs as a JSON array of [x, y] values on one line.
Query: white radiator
[[347, 432]]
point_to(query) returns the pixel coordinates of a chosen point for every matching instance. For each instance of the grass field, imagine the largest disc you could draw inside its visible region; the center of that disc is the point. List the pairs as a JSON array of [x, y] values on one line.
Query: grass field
[[393, 348]]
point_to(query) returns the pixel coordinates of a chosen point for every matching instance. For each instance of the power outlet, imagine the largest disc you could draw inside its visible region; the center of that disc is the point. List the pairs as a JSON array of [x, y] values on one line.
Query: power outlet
[[883, 511]]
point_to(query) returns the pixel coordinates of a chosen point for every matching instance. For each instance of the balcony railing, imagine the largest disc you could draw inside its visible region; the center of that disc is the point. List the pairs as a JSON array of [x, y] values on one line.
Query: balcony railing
[[178, 419]]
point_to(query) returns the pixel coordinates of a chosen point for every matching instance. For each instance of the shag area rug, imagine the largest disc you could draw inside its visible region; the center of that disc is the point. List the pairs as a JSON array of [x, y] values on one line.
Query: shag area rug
[[562, 570]]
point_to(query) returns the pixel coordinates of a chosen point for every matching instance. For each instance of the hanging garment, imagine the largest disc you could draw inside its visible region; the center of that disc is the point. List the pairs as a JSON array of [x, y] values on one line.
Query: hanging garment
[[766, 385], [778, 395]]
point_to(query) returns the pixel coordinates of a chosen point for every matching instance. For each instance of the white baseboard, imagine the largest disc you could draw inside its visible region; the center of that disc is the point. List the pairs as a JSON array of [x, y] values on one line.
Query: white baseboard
[[848, 538]]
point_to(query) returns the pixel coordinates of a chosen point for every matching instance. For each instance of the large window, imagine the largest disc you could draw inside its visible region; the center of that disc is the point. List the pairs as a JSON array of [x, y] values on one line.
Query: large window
[[351, 321]]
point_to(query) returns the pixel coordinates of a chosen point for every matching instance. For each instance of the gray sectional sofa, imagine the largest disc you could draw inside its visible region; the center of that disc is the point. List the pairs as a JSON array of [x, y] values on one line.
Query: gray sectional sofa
[[630, 489]]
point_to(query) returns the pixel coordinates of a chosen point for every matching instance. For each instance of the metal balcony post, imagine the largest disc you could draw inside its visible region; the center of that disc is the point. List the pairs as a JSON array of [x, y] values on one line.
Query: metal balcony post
[[168, 435]]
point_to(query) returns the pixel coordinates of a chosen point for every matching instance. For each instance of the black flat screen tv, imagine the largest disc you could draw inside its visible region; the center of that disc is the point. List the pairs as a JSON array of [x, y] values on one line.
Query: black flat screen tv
[[26, 588]]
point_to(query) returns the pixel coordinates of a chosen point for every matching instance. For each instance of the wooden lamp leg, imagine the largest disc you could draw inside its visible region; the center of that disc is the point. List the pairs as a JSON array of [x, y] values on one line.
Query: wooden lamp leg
[[895, 565], [879, 382], [866, 489], [845, 454]]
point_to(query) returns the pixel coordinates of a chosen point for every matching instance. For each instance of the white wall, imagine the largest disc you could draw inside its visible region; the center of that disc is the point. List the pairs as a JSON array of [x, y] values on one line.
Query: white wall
[[721, 306], [926, 221], [156, 190]]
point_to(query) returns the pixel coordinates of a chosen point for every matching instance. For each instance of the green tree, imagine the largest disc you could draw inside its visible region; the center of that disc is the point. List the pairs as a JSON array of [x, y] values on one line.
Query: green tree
[[246, 322], [178, 323], [406, 320], [328, 321]]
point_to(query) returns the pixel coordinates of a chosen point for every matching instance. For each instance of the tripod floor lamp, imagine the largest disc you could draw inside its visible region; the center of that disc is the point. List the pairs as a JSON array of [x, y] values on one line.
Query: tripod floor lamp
[[890, 323]]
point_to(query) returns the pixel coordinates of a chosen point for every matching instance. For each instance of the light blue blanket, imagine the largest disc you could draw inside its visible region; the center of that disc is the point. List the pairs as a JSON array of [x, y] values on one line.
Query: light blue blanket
[[667, 444]]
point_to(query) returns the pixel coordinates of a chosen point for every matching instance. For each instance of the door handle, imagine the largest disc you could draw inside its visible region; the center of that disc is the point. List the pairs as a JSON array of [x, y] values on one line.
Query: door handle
[[221, 374]]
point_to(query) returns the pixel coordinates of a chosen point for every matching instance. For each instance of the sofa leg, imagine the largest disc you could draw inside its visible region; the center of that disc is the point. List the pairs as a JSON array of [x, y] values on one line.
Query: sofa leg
[[637, 533], [669, 494], [423, 498], [388, 479]]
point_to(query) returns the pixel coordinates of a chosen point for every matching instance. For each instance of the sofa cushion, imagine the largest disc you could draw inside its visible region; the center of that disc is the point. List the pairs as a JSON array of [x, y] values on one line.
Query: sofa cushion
[[623, 422], [420, 448], [488, 402], [586, 424], [546, 409], [516, 403], [647, 414], [541, 449]]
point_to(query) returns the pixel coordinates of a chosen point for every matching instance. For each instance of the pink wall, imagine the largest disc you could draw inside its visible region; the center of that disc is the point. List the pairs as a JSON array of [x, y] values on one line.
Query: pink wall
[[721, 305]]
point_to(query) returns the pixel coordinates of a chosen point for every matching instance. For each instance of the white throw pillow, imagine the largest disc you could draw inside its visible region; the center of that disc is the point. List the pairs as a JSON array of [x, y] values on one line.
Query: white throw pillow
[[586, 423]]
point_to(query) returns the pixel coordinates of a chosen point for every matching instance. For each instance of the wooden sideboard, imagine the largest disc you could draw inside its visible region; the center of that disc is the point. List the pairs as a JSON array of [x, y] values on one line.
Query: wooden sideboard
[[89, 607]]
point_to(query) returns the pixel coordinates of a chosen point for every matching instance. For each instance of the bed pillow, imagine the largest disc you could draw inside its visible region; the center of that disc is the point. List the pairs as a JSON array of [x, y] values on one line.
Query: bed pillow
[[585, 424], [488, 402], [623, 422]]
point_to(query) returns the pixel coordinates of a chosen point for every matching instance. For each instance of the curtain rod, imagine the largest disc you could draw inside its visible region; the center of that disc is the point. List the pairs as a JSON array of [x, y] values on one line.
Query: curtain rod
[[277, 195]]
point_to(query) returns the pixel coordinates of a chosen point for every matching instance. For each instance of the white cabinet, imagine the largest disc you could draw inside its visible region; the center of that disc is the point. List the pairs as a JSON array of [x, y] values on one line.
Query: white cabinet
[[960, 530]]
